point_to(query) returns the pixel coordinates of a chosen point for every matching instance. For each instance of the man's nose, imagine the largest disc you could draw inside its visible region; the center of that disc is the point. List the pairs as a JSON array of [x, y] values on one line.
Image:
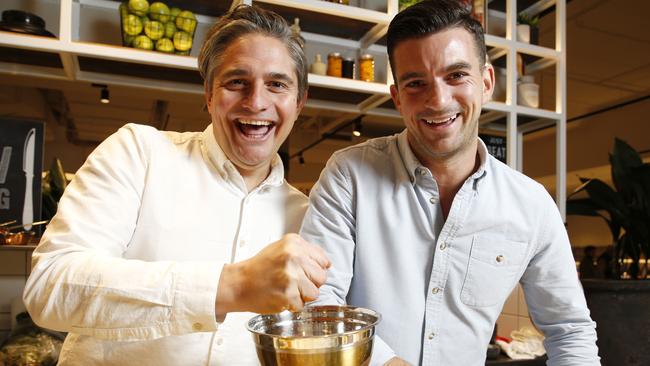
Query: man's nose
[[257, 98], [439, 96]]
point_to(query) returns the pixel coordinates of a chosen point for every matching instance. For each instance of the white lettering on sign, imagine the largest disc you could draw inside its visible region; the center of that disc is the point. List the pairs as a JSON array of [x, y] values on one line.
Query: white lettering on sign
[[4, 199]]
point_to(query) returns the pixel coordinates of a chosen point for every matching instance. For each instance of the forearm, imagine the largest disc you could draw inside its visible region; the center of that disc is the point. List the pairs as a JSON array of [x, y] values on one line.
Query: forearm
[[119, 299]]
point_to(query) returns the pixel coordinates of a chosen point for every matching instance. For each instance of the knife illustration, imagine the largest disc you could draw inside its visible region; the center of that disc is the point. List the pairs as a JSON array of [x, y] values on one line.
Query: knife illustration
[[4, 163], [28, 168]]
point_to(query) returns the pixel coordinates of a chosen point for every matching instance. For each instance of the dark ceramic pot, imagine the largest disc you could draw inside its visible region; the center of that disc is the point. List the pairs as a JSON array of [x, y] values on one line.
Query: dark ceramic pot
[[621, 310]]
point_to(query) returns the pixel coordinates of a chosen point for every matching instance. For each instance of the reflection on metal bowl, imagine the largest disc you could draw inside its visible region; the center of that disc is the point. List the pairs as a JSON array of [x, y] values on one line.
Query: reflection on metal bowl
[[318, 335]]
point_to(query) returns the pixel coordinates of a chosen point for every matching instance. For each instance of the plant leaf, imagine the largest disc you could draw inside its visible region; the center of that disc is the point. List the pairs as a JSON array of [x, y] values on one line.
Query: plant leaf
[[607, 199], [643, 175], [581, 187], [624, 160], [582, 206], [586, 207]]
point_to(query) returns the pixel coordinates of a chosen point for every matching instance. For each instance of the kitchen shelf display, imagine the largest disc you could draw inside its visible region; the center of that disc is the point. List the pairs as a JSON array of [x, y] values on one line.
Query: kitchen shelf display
[[88, 49], [156, 27]]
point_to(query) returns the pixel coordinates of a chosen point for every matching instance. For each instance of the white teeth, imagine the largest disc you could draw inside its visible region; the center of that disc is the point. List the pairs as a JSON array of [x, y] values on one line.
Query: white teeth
[[255, 122], [433, 122]]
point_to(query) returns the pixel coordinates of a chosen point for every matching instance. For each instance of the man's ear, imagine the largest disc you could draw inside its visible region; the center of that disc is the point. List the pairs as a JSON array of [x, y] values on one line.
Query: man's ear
[[394, 94], [488, 82]]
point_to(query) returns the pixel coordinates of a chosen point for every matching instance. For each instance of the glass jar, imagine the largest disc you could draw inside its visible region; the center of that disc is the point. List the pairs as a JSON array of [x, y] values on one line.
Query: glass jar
[[347, 70], [334, 64], [367, 68]]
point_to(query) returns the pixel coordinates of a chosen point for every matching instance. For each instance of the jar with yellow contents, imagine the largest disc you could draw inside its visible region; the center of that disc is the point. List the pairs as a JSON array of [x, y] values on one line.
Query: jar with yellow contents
[[367, 68], [334, 64]]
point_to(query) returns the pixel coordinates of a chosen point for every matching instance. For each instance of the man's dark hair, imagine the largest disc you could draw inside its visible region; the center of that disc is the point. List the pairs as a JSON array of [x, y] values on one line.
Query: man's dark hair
[[429, 17]]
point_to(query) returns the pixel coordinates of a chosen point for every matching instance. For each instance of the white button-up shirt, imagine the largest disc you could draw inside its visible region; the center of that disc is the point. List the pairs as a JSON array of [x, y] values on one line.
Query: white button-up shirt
[[441, 284], [130, 264]]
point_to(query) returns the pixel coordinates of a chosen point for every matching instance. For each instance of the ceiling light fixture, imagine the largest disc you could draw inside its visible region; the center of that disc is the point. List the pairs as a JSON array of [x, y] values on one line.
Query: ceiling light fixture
[[104, 97], [357, 128], [104, 94]]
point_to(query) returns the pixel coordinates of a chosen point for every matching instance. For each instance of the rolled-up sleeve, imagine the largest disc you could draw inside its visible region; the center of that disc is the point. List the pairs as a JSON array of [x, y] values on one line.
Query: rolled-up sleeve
[[555, 297], [331, 223], [80, 281]]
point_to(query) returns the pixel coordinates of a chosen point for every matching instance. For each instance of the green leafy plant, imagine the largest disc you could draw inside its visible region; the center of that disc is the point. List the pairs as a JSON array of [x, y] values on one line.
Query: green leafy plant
[[527, 19], [626, 209], [52, 186]]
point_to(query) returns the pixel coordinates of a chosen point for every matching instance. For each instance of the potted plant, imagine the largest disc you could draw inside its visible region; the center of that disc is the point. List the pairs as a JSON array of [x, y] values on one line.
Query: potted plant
[[527, 28], [620, 305]]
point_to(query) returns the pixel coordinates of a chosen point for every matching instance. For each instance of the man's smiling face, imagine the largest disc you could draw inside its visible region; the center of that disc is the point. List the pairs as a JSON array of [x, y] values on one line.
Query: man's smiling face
[[254, 100], [440, 91]]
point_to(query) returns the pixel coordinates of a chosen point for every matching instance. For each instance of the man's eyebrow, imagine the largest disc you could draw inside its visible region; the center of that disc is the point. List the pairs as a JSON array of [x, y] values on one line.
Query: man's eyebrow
[[234, 72], [410, 75], [461, 65], [281, 76], [272, 75]]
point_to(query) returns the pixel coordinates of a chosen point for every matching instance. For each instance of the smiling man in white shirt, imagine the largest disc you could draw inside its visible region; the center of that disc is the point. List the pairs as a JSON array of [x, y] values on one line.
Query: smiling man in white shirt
[[429, 229], [164, 241]]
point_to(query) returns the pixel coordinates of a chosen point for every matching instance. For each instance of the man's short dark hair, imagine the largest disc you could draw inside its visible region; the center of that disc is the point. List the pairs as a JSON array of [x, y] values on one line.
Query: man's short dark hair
[[429, 17]]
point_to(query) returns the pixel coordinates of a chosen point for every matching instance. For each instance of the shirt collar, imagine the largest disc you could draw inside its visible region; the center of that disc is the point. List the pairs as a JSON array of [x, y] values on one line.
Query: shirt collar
[[411, 162], [482, 157], [413, 165], [228, 170]]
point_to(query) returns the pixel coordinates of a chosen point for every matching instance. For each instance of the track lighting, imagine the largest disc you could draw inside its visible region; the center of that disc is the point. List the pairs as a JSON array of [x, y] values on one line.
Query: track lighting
[[357, 128], [104, 97], [104, 94]]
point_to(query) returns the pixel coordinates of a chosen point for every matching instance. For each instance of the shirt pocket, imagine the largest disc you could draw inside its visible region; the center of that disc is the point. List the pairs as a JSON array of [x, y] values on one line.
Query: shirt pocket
[[492, 270]]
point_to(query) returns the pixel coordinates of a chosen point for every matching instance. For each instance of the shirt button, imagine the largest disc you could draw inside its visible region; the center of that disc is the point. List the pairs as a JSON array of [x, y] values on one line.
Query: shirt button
[[443, 246], [412, 179], [197, 327], [423, 172], [431, 335], [433, 200], [242, 243], [435, 290], [500, 258], [219, 341]]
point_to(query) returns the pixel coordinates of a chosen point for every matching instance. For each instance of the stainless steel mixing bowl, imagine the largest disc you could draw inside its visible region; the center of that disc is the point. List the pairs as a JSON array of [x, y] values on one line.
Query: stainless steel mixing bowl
[[316, 336]]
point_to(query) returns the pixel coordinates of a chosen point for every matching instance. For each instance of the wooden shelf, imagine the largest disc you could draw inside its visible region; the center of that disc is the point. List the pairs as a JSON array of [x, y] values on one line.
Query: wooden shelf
[[88, 52], [18, 247]]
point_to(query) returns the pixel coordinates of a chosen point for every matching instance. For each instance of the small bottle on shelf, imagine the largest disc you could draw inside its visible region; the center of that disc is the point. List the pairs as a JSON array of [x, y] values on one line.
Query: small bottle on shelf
[[318, 67], [295, 30]]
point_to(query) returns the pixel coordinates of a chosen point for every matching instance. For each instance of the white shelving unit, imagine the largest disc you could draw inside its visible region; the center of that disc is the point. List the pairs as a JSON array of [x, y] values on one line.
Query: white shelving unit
[[87, 49]]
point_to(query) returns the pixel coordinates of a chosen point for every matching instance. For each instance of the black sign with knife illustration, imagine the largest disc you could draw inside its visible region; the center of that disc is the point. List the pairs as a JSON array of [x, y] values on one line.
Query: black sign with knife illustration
[[21, 164]]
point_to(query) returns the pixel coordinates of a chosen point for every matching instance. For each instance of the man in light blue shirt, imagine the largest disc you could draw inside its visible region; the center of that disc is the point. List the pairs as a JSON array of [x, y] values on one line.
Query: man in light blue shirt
[[429, 229]]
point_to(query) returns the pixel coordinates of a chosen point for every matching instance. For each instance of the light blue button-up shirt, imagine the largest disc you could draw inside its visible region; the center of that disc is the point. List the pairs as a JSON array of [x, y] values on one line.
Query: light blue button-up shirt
[[440, 284]]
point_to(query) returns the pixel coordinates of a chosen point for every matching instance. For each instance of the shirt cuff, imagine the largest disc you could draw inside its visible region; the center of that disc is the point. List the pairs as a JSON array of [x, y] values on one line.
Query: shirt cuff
[[195, 295], [381, 352]]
